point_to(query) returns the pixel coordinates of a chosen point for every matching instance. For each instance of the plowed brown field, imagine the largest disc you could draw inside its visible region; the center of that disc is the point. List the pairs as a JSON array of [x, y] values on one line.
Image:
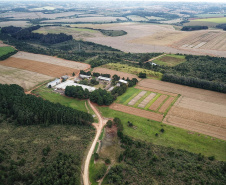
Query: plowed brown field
[[39, 67], [166, 104], [137, 112], [113, 72], [158, 102]]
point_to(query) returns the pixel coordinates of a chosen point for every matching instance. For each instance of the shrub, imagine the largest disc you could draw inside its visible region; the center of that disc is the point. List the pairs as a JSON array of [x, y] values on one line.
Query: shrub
[[162, 130], [107, 161], [109, 123], [96, 156], [212, 158]]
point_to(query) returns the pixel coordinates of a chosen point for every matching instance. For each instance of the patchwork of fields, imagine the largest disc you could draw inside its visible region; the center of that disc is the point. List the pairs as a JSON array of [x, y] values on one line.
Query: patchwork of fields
[[196, 110], [29, 70], [146, 103]]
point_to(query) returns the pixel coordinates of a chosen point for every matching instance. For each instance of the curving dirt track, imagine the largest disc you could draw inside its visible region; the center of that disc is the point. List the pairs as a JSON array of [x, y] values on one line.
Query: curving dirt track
[[89, 155]]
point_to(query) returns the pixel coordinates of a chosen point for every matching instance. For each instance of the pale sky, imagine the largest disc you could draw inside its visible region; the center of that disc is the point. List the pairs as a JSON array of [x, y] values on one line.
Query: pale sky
[[213, 1]]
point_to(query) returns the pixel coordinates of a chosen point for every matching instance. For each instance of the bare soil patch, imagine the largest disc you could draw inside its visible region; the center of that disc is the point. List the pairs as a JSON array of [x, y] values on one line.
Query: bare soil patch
[[51, 60], [24, 78], [157, 103], [136, 98], [147, 87], [166, 104], [137, 112], [39, 67], [113, 72], [146, 100]]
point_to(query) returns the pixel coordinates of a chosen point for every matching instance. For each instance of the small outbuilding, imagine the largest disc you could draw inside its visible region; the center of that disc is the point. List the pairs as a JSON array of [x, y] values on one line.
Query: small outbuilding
[[65, 77], [101, 78], [85, 76], [54, 82], [123, 81]]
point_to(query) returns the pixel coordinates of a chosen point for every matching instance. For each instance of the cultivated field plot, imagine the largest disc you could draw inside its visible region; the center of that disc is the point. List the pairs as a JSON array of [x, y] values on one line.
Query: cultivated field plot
[[24, 78], [141, 38], [39, 67], [211, 40], [86, 19], [136, 18], [15, 23], [137, 112], [147, 100], [113, 72], [170, 60], [37, 15], [220, 20], [5, 50], [51, 60], [75, 32], [197, 110]]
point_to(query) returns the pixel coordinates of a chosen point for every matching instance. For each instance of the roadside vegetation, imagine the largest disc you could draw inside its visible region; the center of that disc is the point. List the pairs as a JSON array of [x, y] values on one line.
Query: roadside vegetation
[[146, 130]]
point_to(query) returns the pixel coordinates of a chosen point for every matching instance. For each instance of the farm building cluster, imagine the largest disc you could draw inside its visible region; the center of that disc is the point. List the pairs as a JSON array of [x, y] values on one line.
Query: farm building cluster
[[85, 81]]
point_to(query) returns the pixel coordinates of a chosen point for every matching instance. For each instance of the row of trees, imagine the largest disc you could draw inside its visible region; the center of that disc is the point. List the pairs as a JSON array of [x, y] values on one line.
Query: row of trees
[[31, 110], [192, 28], [27, 34], [195, 82], [222, 26]]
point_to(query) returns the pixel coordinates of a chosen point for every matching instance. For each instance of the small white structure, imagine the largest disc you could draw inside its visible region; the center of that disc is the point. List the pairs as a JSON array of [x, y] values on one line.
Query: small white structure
[[123, 81], [63, 85], [152, 63], [104, 78], [53, 83], [84, 76], [111, 88], [65, 77]]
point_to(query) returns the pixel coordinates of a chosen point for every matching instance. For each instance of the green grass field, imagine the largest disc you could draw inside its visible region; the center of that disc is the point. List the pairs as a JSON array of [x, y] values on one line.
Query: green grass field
[[172, 137], [219, 20], [5, 50], [209, 15], [47, 94], [170, 60]]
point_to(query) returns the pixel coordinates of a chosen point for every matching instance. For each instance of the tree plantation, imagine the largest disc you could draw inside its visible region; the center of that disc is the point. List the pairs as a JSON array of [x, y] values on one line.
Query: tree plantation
[[30, 110]]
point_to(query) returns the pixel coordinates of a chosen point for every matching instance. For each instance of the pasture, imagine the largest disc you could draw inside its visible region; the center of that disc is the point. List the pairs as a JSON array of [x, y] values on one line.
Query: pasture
[[219, 20], [5, 50], [133, 70], [145, 130], [170, 60], [24, 78]]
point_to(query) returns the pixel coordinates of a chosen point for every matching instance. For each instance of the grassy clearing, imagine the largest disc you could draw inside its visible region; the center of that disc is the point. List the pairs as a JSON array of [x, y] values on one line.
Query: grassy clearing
[[170, 60], [133, 70], [219, 20], [48, 94], [5, 50], [172, 137]]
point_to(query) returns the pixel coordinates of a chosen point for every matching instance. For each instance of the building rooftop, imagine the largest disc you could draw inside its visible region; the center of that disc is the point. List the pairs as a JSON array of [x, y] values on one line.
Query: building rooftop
[[71, 83], [123, 81], [104, 78]]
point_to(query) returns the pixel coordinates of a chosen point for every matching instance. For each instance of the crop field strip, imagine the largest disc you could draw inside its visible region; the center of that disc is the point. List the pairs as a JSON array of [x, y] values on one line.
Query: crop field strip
[[51, 60], [157, 103], [137, 112], [113, 72], [147, 100], [136, 98], [39, 67], [166, 104], [213, 40]]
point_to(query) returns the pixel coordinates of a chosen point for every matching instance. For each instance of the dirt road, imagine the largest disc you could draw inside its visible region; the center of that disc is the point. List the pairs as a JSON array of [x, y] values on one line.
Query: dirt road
[[89, 155]]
